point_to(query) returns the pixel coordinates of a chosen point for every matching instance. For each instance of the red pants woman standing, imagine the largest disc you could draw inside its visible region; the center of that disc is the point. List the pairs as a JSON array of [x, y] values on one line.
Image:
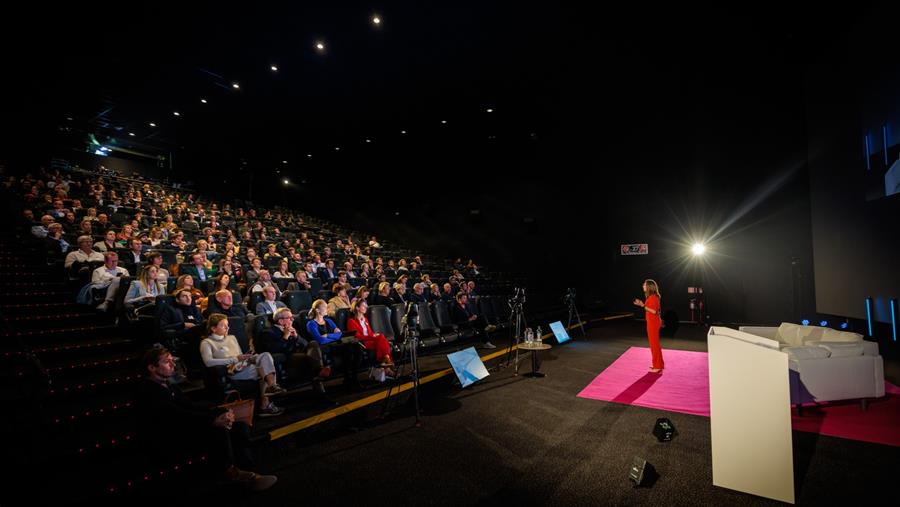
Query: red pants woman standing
[[651, 307]]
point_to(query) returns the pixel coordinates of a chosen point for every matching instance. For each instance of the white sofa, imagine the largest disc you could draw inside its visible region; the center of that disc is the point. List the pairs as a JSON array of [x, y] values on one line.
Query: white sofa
[[827, 364]]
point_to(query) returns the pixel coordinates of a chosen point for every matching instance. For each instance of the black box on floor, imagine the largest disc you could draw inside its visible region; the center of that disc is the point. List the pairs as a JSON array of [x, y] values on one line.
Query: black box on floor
[[642, 473], [663, 430]]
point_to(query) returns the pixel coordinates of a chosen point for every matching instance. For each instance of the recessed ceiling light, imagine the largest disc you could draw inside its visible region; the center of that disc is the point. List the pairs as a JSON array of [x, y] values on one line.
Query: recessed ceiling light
[[131, 134], [274, 68], [176, 113], [203, 101], [490, 110], [320, 46], [444, 122], [236, 86], [376, 20], [152, 124]]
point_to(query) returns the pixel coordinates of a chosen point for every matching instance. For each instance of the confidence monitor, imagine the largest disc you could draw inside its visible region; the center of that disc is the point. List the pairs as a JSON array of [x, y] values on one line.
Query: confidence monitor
[[559, 331]]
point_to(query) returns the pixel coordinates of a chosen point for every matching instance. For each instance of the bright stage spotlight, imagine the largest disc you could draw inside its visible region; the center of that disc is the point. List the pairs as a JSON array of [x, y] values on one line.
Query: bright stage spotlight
[[698, 249]]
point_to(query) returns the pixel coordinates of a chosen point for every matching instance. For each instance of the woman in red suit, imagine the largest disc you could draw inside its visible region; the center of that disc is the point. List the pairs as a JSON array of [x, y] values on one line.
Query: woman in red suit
[[359, 323], [651, 308]]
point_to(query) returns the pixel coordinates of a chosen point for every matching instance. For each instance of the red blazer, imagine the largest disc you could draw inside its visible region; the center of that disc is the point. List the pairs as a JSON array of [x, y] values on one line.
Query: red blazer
[[353, 325]]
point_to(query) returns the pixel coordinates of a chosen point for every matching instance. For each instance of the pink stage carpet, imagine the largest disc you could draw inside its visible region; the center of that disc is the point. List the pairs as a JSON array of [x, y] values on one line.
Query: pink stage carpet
[[684, 387]]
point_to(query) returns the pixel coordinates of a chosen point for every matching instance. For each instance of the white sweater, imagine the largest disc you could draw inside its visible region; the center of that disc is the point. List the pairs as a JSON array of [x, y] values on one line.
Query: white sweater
[[220, 350]]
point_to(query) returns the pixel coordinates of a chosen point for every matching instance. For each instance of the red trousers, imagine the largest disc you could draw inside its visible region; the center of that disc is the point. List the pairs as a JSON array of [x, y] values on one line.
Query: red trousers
[[653, 325], [379, 343]]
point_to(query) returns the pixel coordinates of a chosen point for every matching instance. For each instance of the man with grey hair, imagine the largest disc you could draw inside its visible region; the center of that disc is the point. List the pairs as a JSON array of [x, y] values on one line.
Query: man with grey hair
[[84, 253]]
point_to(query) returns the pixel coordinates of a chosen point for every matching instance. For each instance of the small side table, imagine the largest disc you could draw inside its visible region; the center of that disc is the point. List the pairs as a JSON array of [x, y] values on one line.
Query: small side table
[[534, 348]]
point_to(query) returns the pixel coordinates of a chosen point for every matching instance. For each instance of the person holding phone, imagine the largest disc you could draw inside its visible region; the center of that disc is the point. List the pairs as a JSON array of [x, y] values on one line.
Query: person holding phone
[[651, 305]]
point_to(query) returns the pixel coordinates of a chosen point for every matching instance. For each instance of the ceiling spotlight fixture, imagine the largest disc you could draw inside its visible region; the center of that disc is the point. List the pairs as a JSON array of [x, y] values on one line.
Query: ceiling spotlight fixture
[[490, 110], [376, 20], [274, 68], [287, 181], [176, 113], [320, 46], [203, 101], [368, 140], [131, 134], [698, 249], [152, 124], [309, 155], [402, 131], [236, 86], [284, 161], [337, 148], [444, 122]]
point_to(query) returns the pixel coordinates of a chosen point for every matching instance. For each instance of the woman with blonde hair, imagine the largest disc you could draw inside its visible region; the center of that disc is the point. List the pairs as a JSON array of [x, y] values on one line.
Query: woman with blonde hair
[[651, 305], [325, 331], [143, 291]]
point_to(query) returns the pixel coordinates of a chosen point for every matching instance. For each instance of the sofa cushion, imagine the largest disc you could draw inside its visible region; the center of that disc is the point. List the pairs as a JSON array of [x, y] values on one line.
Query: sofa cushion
[[801, 353], [790, 334], [833, 335], [843, 349]]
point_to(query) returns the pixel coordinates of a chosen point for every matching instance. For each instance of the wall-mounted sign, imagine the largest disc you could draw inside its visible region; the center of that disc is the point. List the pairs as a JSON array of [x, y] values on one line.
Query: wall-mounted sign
[[635, 249]]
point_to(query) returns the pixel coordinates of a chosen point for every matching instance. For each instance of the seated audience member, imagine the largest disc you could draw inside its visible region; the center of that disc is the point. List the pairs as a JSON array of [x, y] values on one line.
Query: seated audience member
[[264, 280], [383, 297], [470, 289], [56, 244], [222, 349], [252, 274], [162, 274], [271, 251], [301, 282], [399, 295], [269, 304], [225, 301], [328, 273], [418, 295], [187, 282], [230, 267], [40, 231], [448, 296], [171, 423], [84, 254], [339, 301], [108, 277], [304, 359], [143, 291], [348, 268], [310, 270], [371, 340], [435, 294], [362, 294], [184, 318], [135, 256], [325, 331], [198, 269], [283, 271], [462, 317]]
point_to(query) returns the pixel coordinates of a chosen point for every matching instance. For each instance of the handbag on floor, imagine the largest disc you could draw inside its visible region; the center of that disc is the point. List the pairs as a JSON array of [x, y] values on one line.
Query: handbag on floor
[[243, 409]]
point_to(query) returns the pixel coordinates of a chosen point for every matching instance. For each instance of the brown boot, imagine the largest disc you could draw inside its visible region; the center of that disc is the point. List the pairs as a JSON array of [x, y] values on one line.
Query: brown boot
[[249, 480]]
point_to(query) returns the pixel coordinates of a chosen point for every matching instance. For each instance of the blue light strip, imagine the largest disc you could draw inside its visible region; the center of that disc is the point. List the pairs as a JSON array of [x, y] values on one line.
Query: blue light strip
[[894, 317], [869, 314], [884, 134], [868, 153]]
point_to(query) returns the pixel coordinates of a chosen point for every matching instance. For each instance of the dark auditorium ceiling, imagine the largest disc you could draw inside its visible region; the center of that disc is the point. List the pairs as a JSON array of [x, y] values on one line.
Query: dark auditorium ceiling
[[547, 73]]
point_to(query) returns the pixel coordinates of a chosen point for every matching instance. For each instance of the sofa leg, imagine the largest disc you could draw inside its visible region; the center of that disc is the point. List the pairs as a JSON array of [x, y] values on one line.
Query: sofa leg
[[864, 404]]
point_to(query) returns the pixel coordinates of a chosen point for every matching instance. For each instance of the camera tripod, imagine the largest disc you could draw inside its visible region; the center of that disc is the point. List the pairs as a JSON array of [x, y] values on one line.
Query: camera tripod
[[573, 311], [408, 356], [517, 322]]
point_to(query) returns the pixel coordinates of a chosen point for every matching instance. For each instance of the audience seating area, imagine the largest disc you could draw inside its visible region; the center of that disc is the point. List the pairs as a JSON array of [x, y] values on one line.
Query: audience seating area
[[72, 365]]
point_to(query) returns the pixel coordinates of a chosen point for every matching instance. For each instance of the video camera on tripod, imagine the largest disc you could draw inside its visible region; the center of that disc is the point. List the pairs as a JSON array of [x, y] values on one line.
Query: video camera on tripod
[[518, 299], [569, 298]]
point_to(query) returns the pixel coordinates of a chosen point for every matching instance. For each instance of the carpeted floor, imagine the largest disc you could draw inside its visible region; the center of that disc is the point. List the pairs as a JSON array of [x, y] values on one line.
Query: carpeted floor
[[523, 441]]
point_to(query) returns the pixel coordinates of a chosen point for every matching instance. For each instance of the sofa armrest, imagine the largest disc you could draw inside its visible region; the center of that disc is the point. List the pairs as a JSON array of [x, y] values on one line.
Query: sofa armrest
[[764, 331]]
